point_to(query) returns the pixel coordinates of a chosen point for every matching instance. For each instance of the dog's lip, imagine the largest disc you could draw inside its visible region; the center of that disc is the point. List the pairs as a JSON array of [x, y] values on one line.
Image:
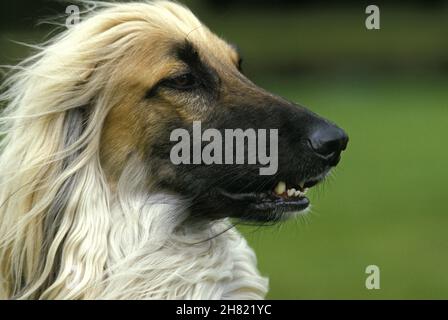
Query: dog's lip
[[268, 201], [284, 204]]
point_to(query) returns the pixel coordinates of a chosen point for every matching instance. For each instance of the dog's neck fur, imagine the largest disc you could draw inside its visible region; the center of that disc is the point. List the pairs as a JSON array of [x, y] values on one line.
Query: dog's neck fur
[[155, 254], [150, 260]]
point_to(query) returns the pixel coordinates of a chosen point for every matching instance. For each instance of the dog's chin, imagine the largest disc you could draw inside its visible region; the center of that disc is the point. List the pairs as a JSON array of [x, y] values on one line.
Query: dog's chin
[[279, 203]]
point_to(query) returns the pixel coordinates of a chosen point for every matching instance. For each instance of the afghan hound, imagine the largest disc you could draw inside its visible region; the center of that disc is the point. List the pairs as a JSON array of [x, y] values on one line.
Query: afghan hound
[[92, 207]]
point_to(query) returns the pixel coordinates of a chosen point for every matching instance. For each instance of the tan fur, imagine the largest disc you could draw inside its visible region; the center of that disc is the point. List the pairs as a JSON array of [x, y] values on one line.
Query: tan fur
[[132, 122]]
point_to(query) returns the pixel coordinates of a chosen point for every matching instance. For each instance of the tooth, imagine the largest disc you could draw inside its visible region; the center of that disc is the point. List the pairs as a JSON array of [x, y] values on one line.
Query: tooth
[[305, 190], [291, 192], [280, 188], [297, 193]]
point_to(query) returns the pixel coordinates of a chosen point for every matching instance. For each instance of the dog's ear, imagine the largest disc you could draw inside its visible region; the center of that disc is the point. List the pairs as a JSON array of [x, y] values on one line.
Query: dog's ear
[[75, 122]]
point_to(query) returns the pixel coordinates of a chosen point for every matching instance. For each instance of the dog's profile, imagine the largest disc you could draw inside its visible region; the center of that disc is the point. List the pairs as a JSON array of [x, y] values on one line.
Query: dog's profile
[[91, 207]]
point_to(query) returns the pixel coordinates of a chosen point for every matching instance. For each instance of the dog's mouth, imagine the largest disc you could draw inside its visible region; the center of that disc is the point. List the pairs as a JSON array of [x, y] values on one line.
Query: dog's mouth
[[277, 203]]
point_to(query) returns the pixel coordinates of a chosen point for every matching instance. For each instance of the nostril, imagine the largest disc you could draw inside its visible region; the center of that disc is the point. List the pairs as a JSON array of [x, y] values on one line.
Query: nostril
[[326, 149], [328, 142]]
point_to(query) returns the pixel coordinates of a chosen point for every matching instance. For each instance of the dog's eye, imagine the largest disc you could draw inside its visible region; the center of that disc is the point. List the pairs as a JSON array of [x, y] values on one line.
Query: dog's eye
[[183, 82]]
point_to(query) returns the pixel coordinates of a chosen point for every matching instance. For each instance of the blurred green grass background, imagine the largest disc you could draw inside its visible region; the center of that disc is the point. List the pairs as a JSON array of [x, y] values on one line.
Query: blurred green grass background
[[386, 203]]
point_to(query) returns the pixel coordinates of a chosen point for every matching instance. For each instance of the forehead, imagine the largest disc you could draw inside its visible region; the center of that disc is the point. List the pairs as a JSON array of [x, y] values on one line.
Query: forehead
[[156, 57], [207, 46]]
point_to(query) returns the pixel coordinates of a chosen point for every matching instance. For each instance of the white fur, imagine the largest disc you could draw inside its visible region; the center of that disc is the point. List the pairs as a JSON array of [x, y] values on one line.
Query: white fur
[[154, 254]]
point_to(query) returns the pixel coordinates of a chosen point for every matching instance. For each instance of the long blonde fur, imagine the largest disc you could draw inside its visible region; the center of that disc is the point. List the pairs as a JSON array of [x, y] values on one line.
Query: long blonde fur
[[66, 232]]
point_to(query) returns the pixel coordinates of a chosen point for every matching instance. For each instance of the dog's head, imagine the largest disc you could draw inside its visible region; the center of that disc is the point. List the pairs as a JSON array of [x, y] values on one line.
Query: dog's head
[[178, 73]]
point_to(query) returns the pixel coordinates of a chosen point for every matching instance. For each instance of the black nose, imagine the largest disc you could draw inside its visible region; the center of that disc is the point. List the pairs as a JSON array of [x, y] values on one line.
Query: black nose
[[328, 141]]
